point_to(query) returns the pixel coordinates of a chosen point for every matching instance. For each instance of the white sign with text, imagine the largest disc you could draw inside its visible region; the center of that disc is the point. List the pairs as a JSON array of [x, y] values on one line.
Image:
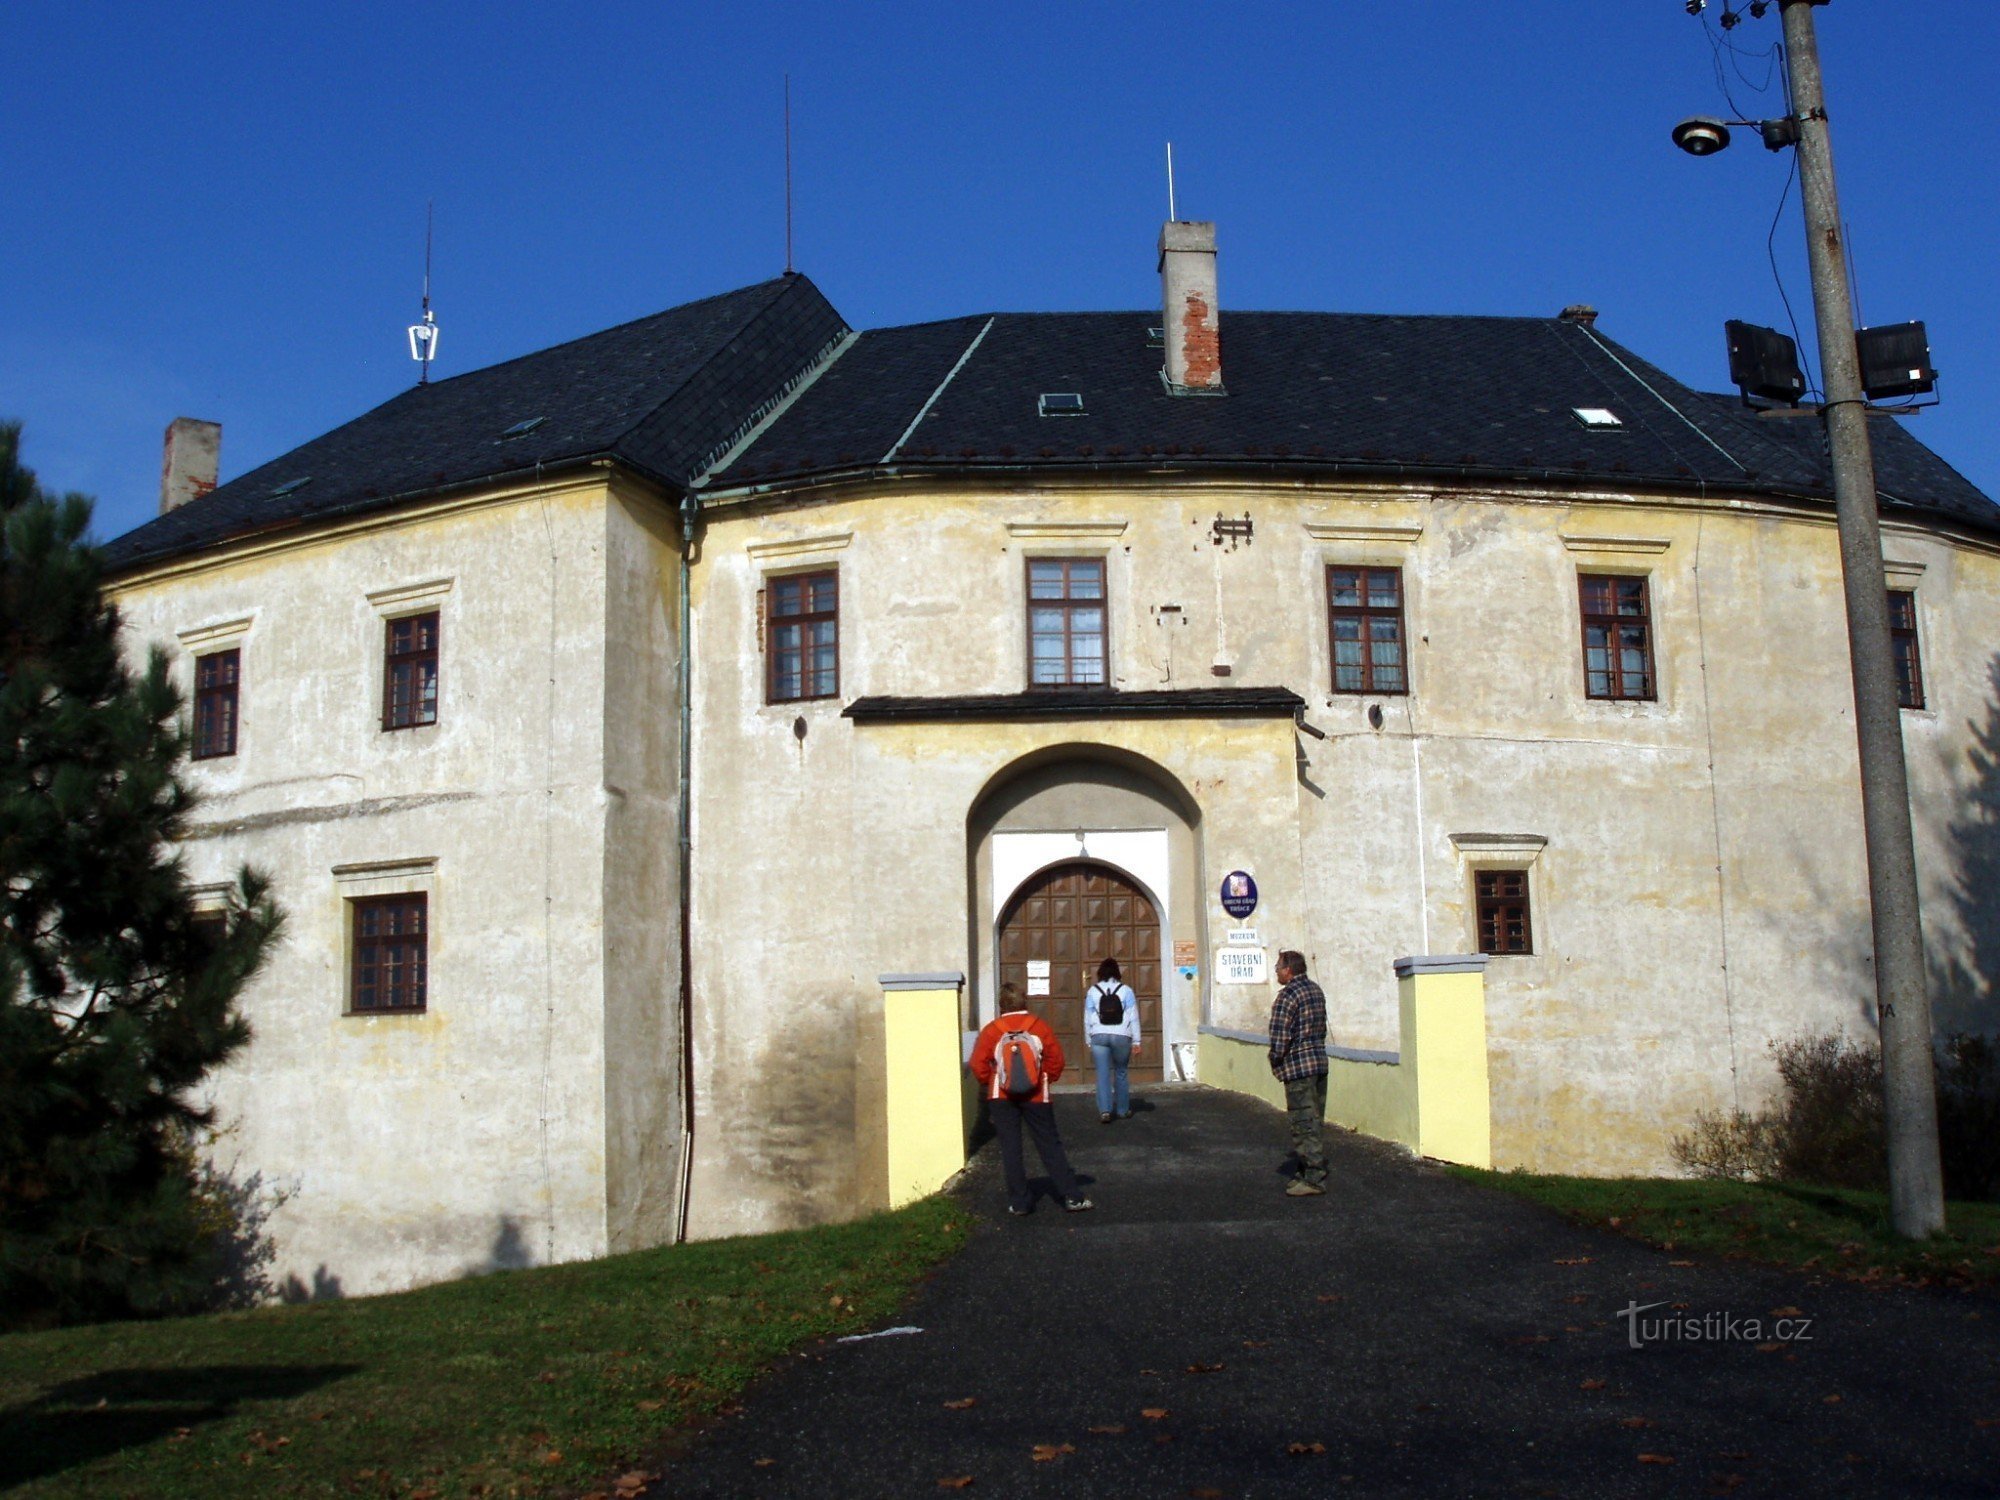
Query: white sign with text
[[1240, 966]]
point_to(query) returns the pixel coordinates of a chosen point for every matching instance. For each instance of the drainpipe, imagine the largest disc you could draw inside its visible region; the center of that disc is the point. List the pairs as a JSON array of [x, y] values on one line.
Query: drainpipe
[[690, 515]]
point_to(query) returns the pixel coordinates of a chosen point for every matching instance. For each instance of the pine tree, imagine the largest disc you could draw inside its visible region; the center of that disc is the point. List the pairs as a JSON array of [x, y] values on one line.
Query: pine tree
[[117, 996]]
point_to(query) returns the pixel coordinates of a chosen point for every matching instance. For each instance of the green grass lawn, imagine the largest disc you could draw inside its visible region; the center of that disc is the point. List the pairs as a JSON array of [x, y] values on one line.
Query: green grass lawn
[[1836, 1231], [516, 1384]]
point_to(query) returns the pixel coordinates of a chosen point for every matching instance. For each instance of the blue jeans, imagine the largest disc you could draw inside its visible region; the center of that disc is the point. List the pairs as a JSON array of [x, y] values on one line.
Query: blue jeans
[[1112, 1055]]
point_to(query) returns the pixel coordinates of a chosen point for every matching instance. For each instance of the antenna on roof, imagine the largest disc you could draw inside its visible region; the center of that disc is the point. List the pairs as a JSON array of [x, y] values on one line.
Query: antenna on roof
[[424, 334], [1171, 216], [788, 174]]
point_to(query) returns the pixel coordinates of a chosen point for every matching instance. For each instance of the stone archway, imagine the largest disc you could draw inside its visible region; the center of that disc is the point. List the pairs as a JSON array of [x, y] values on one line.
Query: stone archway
[[1068, 917]]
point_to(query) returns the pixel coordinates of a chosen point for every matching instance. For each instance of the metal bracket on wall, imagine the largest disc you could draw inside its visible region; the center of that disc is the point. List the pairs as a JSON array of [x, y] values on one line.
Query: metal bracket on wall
[[1232, 531]]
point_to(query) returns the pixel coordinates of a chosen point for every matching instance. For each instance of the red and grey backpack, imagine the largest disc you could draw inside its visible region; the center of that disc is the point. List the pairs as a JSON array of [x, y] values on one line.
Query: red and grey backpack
[[1017, 1063]]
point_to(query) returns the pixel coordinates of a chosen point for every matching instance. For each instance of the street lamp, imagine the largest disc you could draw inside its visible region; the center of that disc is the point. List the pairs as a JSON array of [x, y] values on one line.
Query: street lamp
[[1902, 1002]]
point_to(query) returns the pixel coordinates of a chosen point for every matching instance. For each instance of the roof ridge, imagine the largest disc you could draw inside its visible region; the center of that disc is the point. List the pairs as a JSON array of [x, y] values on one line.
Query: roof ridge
[[785, 284]]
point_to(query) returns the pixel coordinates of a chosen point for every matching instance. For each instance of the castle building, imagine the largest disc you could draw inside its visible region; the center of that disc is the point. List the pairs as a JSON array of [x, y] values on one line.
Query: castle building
[[613, 720]]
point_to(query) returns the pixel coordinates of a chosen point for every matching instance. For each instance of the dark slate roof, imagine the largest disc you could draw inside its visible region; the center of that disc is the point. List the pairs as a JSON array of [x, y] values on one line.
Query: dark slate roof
[[1476, 398], [1083, 703], [662, 394]]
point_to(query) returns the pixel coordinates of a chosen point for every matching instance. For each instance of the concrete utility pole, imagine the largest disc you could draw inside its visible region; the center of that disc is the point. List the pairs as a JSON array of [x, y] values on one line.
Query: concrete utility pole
[[1902, 999]]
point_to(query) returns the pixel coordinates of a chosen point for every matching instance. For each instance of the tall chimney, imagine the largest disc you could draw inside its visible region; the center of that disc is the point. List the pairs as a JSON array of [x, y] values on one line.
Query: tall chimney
[[1187, 284], [192, 460]]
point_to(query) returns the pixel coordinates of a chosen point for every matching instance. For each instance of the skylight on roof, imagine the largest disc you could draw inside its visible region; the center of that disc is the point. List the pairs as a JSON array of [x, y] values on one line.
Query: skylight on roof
[[522, 428], [1061, 404], [1156, 338], [290, 487], [1597, 416]]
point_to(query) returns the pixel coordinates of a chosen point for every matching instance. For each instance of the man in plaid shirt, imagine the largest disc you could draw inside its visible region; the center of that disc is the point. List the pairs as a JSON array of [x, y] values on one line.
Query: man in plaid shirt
[[1298, 1060]]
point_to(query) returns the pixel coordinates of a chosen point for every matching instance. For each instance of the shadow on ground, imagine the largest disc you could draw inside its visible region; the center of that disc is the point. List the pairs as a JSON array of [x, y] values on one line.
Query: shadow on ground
[[83, 1420]]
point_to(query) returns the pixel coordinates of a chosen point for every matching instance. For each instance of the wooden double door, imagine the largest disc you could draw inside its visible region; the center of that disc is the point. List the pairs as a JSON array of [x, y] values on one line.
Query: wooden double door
[[1070, 917]]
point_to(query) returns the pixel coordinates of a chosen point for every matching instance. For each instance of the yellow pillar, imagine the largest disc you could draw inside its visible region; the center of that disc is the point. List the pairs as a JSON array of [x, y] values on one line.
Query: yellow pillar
[[922, 1093], [1443, 1003]]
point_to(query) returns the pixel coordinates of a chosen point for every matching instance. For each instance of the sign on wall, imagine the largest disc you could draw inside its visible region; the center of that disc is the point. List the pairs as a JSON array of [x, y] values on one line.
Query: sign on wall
[[1239, 894], [1240, 966]]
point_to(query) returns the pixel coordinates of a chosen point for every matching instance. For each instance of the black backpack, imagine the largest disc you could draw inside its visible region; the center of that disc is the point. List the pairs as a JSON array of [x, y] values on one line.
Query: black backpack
[[1110, 1006]]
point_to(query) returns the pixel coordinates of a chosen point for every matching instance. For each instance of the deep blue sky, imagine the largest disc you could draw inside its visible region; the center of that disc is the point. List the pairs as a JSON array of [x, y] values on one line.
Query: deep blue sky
[[217, 211]]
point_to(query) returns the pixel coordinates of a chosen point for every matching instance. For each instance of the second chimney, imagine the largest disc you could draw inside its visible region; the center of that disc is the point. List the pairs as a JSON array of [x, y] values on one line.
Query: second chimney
[[1191, 327], [192, 460]]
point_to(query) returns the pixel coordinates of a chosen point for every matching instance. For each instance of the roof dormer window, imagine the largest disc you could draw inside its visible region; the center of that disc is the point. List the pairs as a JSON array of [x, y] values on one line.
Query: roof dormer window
[[1061, 404]]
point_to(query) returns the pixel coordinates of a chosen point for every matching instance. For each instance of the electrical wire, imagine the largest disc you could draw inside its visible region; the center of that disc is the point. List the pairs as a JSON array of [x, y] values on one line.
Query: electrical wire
[[1771, 250], [1718, 44]]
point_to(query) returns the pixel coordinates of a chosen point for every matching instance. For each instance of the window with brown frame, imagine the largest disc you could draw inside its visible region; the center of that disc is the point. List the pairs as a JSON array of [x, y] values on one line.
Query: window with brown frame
[[410, 672], [1501, 897], [1365, 607], [1066, 636], [217, 679], [802, 637], [1617, 637], [391, 957], [1903, 643]]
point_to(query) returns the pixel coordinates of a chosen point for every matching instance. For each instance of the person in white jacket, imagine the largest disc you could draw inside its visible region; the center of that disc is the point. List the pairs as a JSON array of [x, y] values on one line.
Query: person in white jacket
[[1111, 1026]]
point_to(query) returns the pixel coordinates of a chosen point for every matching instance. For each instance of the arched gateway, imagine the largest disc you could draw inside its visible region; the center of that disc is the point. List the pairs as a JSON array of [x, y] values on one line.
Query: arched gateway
[[1051, 937]]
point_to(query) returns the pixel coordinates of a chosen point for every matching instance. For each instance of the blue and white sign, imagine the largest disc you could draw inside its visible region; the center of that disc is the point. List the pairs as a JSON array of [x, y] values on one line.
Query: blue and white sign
[[1239, 894]]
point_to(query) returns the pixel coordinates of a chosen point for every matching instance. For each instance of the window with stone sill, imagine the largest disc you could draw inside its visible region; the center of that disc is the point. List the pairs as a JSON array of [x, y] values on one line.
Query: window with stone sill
[[1617, 637], [1903, 644], [1365, 613], [391, 942], [410, 672], [802, 637], [1500, 898], [217, 682], [1066, 622]]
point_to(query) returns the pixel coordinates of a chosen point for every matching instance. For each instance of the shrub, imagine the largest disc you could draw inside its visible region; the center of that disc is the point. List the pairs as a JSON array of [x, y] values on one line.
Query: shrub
[[1827, 1127]]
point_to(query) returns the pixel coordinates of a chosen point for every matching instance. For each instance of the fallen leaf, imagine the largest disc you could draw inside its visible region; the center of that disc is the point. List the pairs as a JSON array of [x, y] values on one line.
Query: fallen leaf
[[1853, 1458], [1049, 1452], [1163, 1437], [1109, 1429], [424, 1494], [1769, 1348], [1735, 1458], [1591, 1385], [1578, 1260], [762, 1463], [1304, 1450], [1635, 1422], [1204, 1494], [1332, 1297], [1830, 1400], [964, 1403], [1153, 1413], [1614, 1221], [1579, 1297], [1787, 1311], [1724, 1483], [1198, 1368], [836, 1301], [962, 1482], [1654, 1458], [1266, 1343], [553, 1456], [649, 1405], [1680, 1262], [1530, 1338]]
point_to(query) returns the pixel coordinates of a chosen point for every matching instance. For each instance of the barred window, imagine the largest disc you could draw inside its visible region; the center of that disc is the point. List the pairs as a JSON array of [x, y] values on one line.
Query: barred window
[[1501, 897], [1066, 622], [1617, 637], [1365, 606], [391, 961], [217, 680], [802, 637], [1903, 642], [410, 672]]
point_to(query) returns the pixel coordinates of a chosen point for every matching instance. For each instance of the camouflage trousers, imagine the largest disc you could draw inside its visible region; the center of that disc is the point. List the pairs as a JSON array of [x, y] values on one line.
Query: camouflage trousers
[[1305, 1102]]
